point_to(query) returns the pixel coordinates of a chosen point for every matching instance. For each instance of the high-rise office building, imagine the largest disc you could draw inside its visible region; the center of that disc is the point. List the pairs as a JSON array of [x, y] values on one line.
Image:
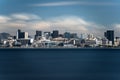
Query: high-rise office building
[[18, 33], [67, 35], [55, 34], [110, 35], [38, 34], [22, 35]]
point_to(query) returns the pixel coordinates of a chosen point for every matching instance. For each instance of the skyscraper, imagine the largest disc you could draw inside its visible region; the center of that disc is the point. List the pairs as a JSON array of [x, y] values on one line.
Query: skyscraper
[[55, 34], [38, 34], [22, 35], [18, 33], [110, 35]]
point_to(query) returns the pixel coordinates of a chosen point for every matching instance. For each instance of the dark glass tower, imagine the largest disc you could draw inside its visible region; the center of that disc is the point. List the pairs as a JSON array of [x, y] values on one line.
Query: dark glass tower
[[55, 34], [38, 33], [110, 35], [18, 34]]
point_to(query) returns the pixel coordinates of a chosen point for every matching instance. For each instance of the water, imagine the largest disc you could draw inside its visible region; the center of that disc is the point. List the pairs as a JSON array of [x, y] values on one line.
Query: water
[[59, 64]]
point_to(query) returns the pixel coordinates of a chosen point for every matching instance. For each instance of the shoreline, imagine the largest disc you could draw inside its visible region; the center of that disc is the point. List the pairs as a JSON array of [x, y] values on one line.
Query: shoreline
[[65, 48]]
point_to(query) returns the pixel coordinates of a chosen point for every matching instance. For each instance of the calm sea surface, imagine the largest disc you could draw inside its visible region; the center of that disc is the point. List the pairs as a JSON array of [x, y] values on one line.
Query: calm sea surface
[[59, 64]]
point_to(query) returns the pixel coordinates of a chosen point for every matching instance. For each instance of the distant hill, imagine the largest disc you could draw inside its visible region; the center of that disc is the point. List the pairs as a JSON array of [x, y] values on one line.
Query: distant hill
[[4, 35]]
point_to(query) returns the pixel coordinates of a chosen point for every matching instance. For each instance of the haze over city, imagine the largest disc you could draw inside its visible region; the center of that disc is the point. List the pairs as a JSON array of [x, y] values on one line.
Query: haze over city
[[82, 16]]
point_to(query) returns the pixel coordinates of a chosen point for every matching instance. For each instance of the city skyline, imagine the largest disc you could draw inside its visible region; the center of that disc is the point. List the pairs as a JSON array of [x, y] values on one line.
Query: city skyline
[[63, 15], [55, 39], [57, 34], [36, 32]]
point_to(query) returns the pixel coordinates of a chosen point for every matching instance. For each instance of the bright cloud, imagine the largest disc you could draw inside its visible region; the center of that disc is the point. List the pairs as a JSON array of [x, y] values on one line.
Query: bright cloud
[[4, 19], [68, 3], [56, 4], [25, 16]]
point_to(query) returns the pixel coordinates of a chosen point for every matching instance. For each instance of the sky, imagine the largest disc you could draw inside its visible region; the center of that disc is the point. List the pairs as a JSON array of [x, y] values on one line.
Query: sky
[[81, 16]]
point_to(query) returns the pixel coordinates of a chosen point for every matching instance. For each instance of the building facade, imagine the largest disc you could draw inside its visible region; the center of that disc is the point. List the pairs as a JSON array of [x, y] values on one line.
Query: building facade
[[38, 34], [109, 34], [22, 35], [55, 34]]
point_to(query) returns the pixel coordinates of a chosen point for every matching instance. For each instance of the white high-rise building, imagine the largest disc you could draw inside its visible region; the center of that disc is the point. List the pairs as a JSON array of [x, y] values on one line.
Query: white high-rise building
[[25, 35]]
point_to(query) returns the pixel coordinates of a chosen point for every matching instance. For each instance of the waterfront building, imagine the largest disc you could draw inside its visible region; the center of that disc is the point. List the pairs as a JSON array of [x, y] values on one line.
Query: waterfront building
[[109, 34], [24, 41], [74, 41], [55, 34], [38, 34], [117, 41], [22, 35], [98, 42], [90, 43], [104, 41]]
